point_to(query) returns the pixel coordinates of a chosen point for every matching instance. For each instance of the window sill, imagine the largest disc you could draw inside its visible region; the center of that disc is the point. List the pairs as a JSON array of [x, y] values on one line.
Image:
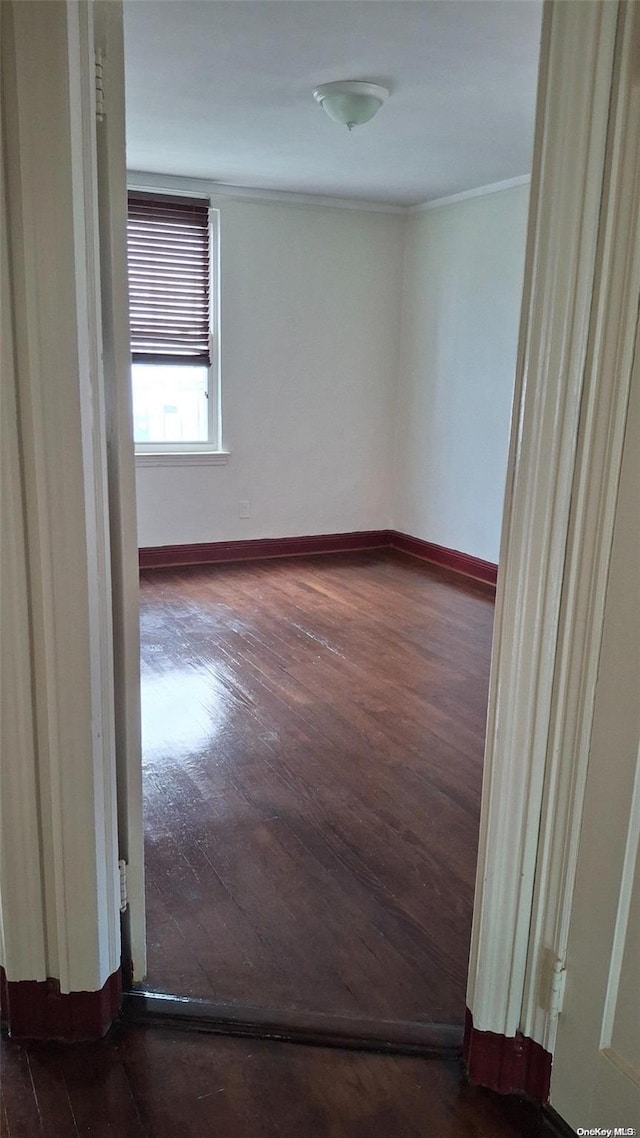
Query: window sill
[[182, 458]]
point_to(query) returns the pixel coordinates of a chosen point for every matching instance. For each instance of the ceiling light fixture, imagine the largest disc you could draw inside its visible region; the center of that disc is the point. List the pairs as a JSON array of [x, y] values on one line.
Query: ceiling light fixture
[[351, 103]]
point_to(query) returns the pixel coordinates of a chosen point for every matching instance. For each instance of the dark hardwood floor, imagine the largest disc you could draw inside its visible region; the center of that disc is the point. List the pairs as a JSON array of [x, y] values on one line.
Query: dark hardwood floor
[[143, 1083], [312, 752]]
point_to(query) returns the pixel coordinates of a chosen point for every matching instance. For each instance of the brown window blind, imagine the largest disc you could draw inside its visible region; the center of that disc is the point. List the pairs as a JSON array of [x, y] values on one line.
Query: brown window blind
[[169, 275]]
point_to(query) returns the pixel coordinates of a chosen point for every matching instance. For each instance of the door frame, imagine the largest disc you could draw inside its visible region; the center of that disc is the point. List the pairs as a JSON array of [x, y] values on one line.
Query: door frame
[[112, 222], [59, 894], [582, 283], [574, 363], [579, 315]]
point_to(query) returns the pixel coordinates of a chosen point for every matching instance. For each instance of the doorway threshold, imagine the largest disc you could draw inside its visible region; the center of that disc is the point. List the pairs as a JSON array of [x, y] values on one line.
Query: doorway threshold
[[399, 1037]]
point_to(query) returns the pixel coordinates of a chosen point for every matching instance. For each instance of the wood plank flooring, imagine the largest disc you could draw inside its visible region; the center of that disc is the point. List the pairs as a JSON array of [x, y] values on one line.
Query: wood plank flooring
[[144, 1083], [312, 755]]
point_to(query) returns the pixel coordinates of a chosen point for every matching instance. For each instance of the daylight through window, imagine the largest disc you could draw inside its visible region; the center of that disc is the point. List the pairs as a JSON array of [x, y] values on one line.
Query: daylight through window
[[170, 306]]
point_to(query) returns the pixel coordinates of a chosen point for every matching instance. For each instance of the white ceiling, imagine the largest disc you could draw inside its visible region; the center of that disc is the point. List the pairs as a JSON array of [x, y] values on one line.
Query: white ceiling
[[222, 91]]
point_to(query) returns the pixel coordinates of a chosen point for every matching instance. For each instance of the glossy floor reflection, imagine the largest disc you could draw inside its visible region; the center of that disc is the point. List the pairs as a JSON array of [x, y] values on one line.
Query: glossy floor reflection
[[313, 737], [182, 709]]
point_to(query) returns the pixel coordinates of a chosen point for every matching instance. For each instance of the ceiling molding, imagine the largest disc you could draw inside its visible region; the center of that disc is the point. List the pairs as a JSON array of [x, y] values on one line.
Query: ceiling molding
[[465, 195], [201, 187]]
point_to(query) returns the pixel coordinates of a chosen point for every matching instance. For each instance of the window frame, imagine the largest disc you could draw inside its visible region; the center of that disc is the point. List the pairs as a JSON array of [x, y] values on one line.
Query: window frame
[[165, 451]]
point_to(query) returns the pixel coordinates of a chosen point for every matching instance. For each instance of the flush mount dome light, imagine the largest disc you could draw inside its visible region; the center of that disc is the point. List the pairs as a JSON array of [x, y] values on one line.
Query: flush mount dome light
[[351, 103]]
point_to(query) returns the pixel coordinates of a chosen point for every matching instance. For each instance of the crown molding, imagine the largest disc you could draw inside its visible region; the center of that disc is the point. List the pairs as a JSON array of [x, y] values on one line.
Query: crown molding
[[137, 179], [203, 187], [466, 195]]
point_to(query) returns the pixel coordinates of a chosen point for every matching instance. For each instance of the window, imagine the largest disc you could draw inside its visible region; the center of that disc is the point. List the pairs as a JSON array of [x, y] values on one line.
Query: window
[[171, 302]]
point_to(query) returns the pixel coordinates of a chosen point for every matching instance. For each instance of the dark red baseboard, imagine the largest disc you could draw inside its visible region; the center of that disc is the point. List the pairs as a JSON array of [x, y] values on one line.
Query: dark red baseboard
[[214, 552], [510, 1065], [4, 997], [37, 1009], [475, 567]]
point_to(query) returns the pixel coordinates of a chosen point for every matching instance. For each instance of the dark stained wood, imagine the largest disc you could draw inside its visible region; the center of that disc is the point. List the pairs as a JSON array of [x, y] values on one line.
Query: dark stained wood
[[313, 737], [314, 1028], [142, 1083]]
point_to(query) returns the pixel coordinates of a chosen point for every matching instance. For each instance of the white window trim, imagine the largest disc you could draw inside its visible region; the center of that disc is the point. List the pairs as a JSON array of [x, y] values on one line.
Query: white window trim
[[182, 458], [207, 452]]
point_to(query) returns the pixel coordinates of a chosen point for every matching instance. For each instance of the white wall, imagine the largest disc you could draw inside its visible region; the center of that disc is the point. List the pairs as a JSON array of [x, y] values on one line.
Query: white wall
[[368, 363], [311, 300], [464, 268]]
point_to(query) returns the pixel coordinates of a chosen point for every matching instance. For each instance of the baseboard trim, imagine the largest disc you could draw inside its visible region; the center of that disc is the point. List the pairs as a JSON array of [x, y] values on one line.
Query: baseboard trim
[[4, 998], [464, 563], [507, 1064], [216, 552], [38, 1010], [318, 1030]]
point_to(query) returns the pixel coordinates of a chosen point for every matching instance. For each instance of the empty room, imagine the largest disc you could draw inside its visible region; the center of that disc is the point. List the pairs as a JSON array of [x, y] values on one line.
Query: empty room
[[319, 737], [325, 287]]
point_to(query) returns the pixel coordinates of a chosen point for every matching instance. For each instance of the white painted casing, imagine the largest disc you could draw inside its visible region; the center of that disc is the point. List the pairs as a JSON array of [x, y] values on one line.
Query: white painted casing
[[65, 795], [576, 352]]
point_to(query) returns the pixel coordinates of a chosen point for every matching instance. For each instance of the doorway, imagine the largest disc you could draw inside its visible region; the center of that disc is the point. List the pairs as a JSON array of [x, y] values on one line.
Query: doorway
[[360, 241]]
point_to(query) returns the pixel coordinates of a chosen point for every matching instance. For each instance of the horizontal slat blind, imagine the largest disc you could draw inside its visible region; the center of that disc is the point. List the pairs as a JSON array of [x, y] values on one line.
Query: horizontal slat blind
[[169, 274]]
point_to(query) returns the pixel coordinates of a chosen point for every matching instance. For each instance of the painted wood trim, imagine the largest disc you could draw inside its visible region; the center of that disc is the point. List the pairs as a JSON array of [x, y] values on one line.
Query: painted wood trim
[[175, 458], [141, 180], [510, 1065], [55, 287], [4, 997], [391, 1036], [112, 200], [33, 1009], [468, 195], [103, 849], [566, 195], [22, 921], [607, 379], [199, 187], [463, 563], [213, 552]]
